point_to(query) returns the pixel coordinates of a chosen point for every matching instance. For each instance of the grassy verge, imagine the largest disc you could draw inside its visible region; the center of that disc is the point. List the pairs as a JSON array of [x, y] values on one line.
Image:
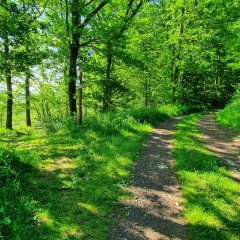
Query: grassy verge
[[211, 196], [65, 183], [155, 115], [16, 205], [230, 116]]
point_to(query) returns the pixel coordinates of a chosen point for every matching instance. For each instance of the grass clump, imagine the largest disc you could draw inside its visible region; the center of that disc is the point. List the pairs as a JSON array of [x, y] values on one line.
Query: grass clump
[[211, 196], [230, 116], [16, 208], [158, 114]]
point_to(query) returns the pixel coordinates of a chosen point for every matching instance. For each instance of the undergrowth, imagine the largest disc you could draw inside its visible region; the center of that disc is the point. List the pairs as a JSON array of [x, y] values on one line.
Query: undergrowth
[[65, 182], [16, 207], [230, 116], [154, 115], [211, 196]]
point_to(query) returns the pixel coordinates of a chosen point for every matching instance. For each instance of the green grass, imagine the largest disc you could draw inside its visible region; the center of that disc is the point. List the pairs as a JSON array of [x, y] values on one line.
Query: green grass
[[154, 115], [67, 182], [75, 184], [230, 116], [211, 196]]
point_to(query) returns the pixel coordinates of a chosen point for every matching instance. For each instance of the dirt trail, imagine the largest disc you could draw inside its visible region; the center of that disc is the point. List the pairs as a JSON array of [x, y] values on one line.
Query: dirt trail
[[223, 142], [155, 209]]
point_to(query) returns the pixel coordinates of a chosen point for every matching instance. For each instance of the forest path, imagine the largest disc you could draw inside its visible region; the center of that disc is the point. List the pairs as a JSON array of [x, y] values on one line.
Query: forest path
[[155, 208], [223, 142]]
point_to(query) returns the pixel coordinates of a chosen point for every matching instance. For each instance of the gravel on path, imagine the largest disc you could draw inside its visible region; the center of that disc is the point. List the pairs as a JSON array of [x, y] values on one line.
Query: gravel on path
[[155, 208]]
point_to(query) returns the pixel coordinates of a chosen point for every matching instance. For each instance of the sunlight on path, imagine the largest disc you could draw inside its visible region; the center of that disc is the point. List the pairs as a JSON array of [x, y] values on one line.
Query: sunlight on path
[[223, 142], [155, 208]]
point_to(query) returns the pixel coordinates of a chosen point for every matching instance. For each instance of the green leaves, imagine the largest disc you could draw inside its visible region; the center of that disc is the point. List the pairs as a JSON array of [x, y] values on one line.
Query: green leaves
[[5, 220], [2, 210]]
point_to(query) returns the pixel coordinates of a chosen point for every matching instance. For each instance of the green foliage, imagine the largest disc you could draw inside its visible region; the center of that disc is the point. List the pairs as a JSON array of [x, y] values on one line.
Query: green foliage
[[154, 115], [230, 115], [16, 208], [112, 123], [211, 195], [7, 171]]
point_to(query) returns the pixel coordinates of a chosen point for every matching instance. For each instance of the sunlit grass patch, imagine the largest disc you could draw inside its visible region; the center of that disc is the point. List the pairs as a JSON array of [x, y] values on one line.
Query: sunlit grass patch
[[44, 218], [230, 116], [161, 113], [77, 176], [211, 195]]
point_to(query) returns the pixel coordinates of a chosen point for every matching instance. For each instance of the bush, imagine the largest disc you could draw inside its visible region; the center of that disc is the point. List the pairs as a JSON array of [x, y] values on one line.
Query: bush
[[156, 115], [110, 123], [7, 170], [230, 115]]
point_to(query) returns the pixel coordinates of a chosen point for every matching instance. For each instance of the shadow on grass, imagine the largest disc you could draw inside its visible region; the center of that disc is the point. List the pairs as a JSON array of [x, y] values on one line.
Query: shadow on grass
[[211, 194], [16, 202], [58, 204], [72, 192]]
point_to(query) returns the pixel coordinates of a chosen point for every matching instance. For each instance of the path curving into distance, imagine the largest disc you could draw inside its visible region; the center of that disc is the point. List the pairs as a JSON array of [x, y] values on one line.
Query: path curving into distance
[[155, 208]]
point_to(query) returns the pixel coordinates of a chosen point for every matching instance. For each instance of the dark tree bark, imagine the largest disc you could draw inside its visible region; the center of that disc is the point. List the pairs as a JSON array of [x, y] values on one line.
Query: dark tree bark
[[9, 87], [80, 99], [72, 79], [174, 81], [146, 90], [9, 99], [73, 49], [107, 82], [176, 72], [27, 96]]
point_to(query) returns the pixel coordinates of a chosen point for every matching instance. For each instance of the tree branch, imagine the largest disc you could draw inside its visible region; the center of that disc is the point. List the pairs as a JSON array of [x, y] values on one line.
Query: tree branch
[[129, 7], [88, 3], [41, 13], [5, 7], [135, 11], [66, 19], [93, 13], [129, 16], [83, 44]]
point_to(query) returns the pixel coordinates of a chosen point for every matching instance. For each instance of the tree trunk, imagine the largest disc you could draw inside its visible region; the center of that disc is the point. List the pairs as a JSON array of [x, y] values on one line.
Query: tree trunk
[[27, 95], [74, 44], [72, 80], [73, 57], [217, 77], [107, 83], [80, 98], [174, 81], [9, 99], [146, 90], [9, 87], [43, 109], [176, 73]]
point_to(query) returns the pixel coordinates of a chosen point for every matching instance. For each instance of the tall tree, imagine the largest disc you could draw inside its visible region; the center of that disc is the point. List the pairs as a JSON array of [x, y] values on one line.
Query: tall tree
[[8, 74], [7, 31], [81, 16]]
